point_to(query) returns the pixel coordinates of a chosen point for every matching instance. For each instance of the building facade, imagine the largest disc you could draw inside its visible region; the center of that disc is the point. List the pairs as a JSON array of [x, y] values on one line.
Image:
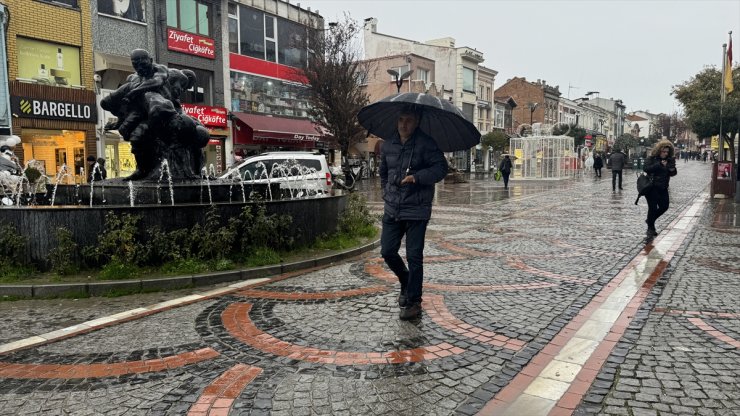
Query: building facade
[[267, 91], [181, 34], [538, 102], [457, 73], [51, 86]]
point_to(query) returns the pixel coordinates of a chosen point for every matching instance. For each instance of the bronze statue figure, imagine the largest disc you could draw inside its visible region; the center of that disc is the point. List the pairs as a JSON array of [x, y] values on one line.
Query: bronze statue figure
[[151, 119]]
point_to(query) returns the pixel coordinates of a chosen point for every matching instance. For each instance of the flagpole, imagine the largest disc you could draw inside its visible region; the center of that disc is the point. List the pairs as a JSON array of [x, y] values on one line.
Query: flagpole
[[723, 94]]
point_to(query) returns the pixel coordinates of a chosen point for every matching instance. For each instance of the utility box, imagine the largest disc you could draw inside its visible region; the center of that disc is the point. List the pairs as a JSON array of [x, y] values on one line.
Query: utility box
[[723, 179]]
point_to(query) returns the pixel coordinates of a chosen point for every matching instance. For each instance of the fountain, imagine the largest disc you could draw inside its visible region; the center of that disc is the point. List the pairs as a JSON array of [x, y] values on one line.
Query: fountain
[[166, 143]]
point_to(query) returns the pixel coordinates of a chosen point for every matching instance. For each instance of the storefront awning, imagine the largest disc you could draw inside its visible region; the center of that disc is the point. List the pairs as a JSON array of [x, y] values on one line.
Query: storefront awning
[[252, 129]]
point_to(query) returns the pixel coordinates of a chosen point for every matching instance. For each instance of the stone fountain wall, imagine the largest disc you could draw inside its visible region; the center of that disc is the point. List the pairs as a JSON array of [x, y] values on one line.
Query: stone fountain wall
[[311, 218]]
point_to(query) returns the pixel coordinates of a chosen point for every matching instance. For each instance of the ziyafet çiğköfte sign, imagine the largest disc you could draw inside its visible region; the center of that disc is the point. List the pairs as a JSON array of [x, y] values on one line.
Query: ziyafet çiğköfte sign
[[53, 109], [190, 43]]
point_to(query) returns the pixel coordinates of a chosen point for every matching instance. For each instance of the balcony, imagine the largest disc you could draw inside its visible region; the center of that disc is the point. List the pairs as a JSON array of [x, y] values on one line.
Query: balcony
[[483, 103]]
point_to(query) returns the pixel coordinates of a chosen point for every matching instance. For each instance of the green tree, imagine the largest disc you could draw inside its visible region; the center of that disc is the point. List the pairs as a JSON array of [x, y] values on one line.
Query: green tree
[[496, 141], [700, 97], [334, 73], [626, 141]]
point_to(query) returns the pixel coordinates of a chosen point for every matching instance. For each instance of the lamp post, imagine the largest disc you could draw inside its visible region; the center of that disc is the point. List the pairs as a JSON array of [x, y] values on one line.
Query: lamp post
[[399, 79]]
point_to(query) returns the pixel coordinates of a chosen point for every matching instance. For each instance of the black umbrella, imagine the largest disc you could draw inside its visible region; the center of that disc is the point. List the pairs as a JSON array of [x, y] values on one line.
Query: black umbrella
[[440, 119]]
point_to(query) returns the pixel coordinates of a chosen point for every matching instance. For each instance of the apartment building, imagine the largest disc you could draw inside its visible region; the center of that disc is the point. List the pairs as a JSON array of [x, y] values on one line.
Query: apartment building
[[457, 70], [50, 82]]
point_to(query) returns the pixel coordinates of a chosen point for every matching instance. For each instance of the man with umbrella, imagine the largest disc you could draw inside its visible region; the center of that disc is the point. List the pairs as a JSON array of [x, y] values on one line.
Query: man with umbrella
[[410, 164], [417, 128]]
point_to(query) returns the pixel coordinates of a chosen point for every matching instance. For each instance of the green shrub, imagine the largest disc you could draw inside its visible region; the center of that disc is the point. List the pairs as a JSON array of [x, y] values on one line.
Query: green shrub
[[64, 256], [216, 241], [12, 246], [118, 270], [262, 256], [184, 266], [166, 247], [118, 242], [262, 230], [357, 220]]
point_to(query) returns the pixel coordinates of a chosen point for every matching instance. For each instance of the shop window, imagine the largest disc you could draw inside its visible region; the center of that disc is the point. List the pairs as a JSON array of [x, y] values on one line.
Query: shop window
[[48, 63], [468, 111], [130, 9], [192, 16], [255, 94], [54, 149]]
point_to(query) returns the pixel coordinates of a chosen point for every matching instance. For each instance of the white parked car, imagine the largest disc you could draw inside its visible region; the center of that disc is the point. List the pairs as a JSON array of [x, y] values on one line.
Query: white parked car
[[295, 171]]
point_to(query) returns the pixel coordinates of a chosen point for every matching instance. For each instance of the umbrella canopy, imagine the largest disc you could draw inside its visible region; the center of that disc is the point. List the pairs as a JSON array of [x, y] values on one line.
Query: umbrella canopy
[[512, 157], [440, 120]]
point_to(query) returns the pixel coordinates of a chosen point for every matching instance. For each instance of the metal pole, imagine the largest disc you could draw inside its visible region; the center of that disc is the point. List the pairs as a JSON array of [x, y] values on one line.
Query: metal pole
[[722, 104]]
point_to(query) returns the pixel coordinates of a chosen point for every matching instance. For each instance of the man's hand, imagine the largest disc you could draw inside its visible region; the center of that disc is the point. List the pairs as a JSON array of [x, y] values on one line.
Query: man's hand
[[408, 179], [664, 162]]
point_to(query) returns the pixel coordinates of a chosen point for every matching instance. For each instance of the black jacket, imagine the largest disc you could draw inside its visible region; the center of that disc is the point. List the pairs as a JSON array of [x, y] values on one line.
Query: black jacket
[[505, 165], [598, 162], [661, 174], [423, 159]]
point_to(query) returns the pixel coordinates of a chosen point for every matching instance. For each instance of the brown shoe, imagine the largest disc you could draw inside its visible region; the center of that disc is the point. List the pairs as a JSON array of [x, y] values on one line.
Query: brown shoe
[[410, 312]]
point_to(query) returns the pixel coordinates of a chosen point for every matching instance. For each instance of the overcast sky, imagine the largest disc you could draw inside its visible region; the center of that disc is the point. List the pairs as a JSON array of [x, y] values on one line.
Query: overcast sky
[[629, 49]]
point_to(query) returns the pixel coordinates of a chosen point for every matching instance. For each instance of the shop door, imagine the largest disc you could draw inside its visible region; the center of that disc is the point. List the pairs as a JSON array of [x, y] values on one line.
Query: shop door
[[61, 159]]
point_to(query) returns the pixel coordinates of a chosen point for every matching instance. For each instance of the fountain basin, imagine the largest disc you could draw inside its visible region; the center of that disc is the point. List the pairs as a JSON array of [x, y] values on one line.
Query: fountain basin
[[312, 217]]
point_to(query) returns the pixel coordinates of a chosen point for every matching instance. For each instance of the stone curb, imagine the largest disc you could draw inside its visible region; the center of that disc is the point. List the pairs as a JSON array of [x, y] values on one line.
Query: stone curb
[[138, 285]]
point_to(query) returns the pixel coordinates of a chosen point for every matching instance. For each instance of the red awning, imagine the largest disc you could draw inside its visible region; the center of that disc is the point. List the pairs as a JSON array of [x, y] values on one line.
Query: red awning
[[252, 129]]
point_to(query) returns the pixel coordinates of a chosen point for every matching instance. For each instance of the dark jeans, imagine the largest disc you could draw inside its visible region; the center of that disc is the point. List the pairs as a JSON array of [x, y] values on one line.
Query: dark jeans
[[616, 173], [657, 200], [598, 172], [506, 178], [411, 278]]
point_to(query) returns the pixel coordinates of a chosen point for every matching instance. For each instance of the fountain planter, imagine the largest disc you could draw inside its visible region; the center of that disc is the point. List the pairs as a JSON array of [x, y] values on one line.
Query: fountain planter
[[312, 217]]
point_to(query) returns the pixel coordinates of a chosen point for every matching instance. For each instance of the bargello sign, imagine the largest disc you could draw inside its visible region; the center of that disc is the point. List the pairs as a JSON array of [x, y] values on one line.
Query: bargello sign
[[52, 109]]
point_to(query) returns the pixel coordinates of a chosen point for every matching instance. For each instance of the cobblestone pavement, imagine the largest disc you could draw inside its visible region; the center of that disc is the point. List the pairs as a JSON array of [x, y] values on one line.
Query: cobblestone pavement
[[511, 279]]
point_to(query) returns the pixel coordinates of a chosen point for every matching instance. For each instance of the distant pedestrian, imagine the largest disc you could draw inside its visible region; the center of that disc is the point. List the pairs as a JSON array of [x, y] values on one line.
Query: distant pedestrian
[[505, 168], [616, 160], [90, 166], [410, 164], [660, 165], [598, 164], [100, 173]]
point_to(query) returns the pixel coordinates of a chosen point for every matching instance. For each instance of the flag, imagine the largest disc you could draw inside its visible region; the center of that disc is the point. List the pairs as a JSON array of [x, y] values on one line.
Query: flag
[[728, 69]]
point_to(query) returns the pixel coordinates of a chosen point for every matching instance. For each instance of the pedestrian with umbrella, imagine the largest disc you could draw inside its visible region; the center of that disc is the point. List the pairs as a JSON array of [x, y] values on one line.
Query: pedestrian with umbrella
[[505, 168], [416, 128]]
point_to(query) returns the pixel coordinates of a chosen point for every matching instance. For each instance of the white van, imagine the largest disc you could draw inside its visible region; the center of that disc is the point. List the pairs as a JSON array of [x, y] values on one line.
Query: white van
[[295, 171]]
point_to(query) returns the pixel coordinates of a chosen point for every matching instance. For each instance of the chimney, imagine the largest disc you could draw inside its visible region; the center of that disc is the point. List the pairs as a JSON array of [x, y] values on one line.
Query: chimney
[[371, 24]]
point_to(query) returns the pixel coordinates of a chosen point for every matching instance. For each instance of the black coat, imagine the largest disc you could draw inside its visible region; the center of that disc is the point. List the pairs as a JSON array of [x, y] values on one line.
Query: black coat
[[423, 159], [598, 162], [661, 174], [505, 166]]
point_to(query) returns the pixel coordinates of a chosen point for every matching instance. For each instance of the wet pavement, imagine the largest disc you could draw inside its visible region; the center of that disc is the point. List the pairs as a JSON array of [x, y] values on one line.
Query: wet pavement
[[539, 300]]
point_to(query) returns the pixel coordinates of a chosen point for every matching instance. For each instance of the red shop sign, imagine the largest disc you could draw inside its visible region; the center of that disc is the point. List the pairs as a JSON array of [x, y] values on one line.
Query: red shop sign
[[207, 115], [191, 44]]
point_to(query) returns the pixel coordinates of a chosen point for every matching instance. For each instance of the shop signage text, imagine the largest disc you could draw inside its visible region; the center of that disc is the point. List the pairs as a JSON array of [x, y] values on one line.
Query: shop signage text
[[55, 110], [190, 44], [207, 115]]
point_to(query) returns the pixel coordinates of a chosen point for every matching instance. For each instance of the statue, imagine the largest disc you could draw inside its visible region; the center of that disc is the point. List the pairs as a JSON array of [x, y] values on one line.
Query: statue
[[151, 119]]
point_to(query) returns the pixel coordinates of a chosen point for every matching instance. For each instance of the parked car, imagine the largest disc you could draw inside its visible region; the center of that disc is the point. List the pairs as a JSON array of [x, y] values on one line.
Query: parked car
[[292, 170]]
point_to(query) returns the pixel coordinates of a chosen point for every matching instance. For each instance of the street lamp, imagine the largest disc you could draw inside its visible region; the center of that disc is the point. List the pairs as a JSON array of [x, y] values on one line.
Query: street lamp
[[399, 79]]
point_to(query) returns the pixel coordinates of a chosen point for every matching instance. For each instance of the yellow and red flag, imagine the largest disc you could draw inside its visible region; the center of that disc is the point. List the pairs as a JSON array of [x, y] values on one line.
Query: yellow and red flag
[[728, 69]]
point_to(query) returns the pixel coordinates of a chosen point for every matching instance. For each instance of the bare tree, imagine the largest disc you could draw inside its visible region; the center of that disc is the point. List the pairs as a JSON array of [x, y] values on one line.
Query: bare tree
[[335, 74]]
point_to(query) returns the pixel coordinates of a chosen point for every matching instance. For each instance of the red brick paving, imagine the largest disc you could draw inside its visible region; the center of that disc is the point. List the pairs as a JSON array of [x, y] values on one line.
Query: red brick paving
[[236, 320], [71, 371], [435, 307], [218, 397], [699, 323], [266, 294]]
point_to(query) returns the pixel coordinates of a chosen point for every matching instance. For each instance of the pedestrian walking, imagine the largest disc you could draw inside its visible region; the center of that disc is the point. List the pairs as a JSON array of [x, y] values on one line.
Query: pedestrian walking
[[598, 164], [616, 160], [100, 173], [410, 164], [505, 168], [660, 166]]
